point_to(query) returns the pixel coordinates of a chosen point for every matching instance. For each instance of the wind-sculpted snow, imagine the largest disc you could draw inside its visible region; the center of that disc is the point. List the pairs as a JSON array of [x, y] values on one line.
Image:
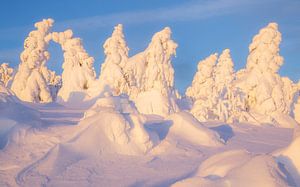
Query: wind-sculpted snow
[[119, 124], [29, 83], [237, 168], [78, 71], [289, 157], [14, 116]]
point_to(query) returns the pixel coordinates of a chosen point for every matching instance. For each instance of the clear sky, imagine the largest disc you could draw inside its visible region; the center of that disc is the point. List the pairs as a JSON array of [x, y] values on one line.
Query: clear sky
[[200, 27]]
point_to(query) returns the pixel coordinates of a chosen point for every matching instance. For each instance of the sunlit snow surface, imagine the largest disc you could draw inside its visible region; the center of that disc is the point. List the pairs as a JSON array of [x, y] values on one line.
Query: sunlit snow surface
[[65, 149]]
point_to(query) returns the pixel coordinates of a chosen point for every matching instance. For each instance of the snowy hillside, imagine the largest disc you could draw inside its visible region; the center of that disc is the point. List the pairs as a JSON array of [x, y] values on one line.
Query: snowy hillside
[[129, 126]]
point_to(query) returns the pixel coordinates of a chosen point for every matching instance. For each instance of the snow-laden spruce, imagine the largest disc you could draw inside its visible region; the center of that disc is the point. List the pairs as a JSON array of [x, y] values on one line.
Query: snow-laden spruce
[[112, 70], [213, 94], [267, 99], [6, 73], [29, 83], [201, 90], [78, 71], [151, 76], [202, 85]]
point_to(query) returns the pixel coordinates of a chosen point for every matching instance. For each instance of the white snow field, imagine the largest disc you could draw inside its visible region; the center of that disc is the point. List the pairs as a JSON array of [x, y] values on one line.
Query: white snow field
[[129, 126]]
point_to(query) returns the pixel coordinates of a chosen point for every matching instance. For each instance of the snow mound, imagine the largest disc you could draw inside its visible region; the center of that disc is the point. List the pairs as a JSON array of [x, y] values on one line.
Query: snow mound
[[13, 114], [237, 168], [114, 125], [185, 127]]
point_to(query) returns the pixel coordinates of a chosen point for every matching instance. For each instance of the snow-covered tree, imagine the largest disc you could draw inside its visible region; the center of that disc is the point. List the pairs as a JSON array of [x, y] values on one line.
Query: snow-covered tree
[[78, 71], [6, 73], [203, 82], [224, 72], [29, 83], [151, 75], [53, 81], [201, 90], [213, 95], [112, 70], [260, 80]]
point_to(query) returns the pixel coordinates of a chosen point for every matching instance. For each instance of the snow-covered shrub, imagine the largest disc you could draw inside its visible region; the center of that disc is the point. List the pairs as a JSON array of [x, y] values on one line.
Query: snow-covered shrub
[[112, 70], [29, 83], [6, 73], [78, 71]]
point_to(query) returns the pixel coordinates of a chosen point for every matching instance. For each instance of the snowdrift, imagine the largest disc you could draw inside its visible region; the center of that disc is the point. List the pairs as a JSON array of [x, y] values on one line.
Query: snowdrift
[[290, 158], [114, 125], [237, 168], [13, 115]]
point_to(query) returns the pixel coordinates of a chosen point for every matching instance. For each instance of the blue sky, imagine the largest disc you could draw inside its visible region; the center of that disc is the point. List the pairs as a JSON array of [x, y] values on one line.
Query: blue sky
[[200, 27]]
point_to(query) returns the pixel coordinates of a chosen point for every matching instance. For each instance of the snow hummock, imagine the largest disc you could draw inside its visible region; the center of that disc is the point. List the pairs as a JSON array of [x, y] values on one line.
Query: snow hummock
[[290, 158], [236, 168], [78, 71], [117, 126], [29, 83]]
